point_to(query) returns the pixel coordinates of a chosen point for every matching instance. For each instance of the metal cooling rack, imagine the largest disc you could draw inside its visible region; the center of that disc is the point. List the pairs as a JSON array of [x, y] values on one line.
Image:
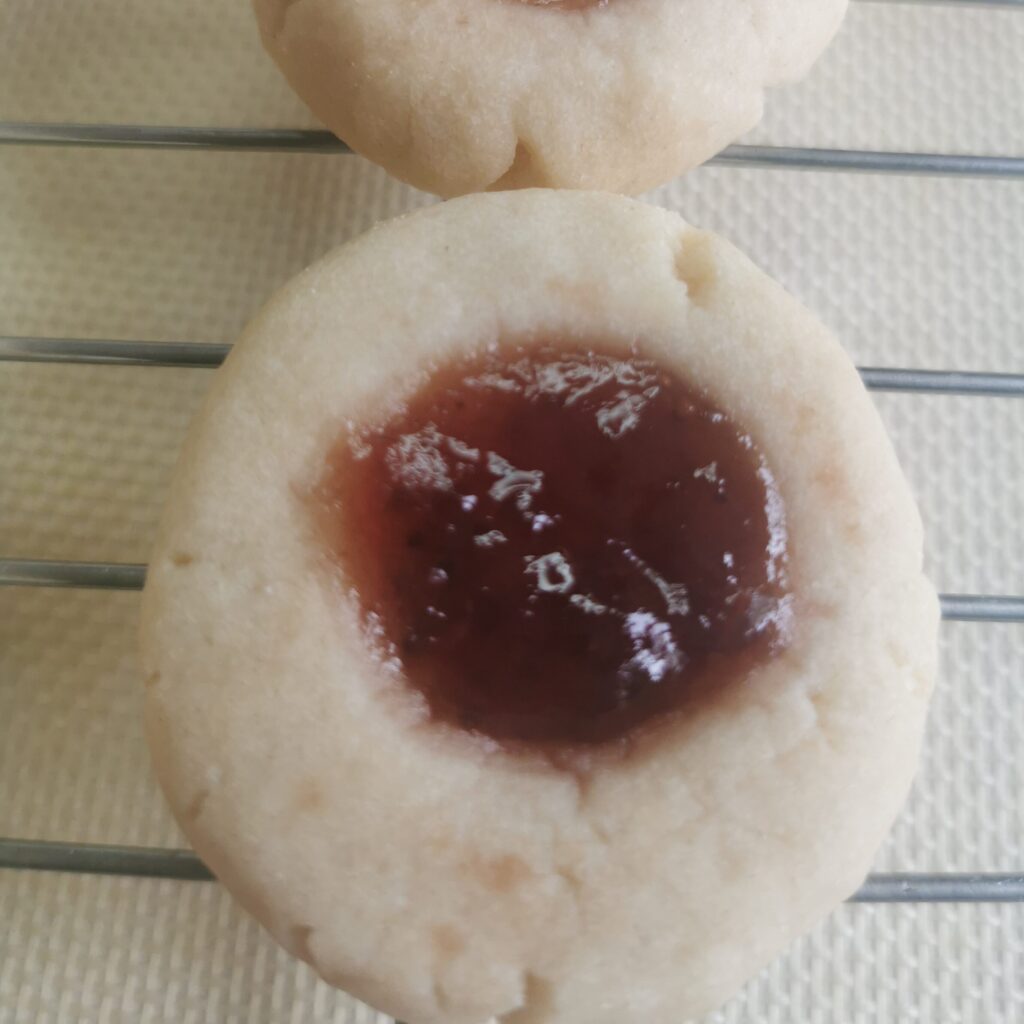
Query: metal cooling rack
[[26, 572]]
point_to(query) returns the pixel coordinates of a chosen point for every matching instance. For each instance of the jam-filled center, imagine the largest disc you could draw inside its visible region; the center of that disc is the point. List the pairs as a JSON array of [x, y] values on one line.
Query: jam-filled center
[[560, 545]]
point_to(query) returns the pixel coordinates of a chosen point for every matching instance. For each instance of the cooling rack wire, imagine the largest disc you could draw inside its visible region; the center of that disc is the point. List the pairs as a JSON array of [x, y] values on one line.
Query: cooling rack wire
[[19, 571]]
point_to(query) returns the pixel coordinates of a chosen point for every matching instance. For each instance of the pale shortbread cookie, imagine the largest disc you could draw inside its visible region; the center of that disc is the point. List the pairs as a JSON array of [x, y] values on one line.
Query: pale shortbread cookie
[[457, 96], [428, 873]]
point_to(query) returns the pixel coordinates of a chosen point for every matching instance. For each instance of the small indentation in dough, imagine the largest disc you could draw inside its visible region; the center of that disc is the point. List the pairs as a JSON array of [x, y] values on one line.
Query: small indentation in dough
[[600, 831], [521, 171], [196, 805], [182, 558], [822, 719], [819, 610], [151, 680], [806, 417], [448, 941], [571, 879], [300, 935], [835, 486], [309, 797], [854, 533], [439, 845], [441, 999], [695, 266], [538, 1001], [582, 293], [277, 12], [337, 979], [829, 478], [898, 653], [501, 873], [921, 683]]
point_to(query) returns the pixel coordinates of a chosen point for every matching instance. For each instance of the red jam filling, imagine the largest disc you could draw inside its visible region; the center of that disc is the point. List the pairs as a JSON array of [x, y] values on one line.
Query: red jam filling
[[559, 546]]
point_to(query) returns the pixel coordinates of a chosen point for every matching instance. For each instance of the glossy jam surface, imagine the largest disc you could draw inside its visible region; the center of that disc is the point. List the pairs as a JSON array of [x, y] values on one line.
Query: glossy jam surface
[[558, 545]]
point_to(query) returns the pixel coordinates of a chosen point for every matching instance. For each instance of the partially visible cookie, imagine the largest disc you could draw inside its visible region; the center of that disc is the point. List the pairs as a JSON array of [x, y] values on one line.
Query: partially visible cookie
[[457, 96], [537, 626]]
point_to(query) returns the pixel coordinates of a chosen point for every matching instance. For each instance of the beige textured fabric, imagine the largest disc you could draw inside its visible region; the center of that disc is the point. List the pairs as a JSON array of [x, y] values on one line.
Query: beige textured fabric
[[105, 244]]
